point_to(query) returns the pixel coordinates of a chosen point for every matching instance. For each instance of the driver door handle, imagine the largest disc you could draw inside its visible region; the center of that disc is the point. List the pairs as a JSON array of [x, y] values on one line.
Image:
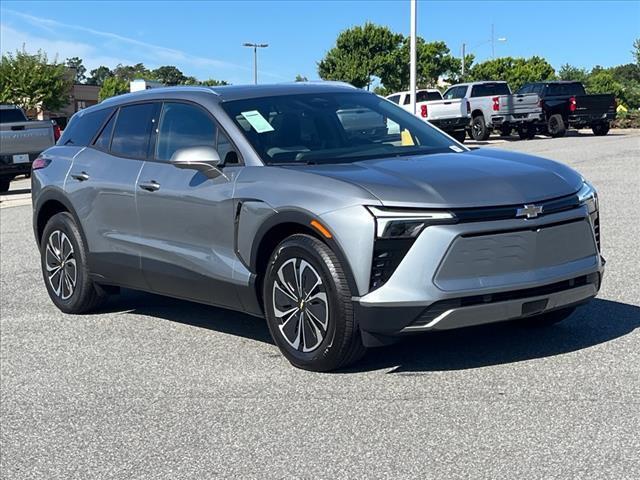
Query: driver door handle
[[81, 177], [151, 186]]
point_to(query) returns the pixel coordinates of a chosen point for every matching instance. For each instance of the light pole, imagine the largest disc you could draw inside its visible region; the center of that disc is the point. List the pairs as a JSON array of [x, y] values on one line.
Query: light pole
[[412, 56], [255, 47], [493, 39]]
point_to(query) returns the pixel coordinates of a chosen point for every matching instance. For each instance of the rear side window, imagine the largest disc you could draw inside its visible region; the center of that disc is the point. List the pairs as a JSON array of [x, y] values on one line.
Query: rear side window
[[182, 126], [394, 98], [104, 139], [82, 129], [132, 131], [455, 92]]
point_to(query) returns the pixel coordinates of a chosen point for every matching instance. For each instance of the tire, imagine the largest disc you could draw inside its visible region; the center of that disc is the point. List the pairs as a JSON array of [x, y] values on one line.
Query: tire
[[71, 289], [329, 338], [4, 184], [505, 131], [479, 130], [600, 129], [556, 126], [526, 132], [549, 318], [459, 135]]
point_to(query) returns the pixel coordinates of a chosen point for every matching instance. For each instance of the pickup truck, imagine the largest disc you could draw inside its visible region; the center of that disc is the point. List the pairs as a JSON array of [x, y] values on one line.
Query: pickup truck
[[451, 115], [493, 106], [21, 141], [566, 104]]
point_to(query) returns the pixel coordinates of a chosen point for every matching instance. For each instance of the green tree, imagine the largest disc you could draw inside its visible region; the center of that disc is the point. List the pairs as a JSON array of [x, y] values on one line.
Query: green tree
[[569, 72], [131, 72], [169, 75], [359, 54], [113, 86], [301, 78], [33, 82], [98, 75], [76, 64], [516, 71], [636, 51], [212, 82]]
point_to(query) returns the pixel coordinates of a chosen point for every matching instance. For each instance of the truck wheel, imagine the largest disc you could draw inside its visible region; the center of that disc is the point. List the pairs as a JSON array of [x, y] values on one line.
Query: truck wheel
[[556, 126], [505, 131], [526, 132], [4, 184], [459, 135], [307, 302], [479, 130], [600, 129], [547, 319]]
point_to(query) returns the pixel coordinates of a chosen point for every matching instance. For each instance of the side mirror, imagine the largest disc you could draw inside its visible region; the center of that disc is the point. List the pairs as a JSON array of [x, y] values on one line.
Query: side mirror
[[203, 159]]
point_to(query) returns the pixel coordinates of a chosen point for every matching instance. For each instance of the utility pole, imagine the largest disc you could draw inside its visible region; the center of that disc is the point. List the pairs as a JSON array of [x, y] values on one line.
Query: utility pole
[[412, 61], [464, 47], [255, 47]]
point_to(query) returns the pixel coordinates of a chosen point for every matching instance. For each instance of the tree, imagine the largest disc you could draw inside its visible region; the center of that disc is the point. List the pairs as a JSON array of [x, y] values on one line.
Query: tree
[[131, 72], [76, 64], [569, 72], [113, 86], [516, 71], [359, 54], [33, 82], [301, 78], [212, 82], [99, 75], [169, 75], [636, 51]]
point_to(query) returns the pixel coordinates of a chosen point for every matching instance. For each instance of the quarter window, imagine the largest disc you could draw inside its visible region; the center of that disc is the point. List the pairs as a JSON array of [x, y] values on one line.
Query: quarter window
[[102, 142], [82, 129], [133, 130], [182, 126]]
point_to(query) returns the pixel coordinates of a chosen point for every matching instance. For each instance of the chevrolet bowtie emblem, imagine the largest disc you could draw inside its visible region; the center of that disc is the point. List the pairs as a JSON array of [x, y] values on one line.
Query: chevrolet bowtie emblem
[[529, 211]]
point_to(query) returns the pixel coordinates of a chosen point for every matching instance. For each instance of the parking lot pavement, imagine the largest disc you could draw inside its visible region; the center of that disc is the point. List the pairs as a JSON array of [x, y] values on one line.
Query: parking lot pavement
[[157, 388]]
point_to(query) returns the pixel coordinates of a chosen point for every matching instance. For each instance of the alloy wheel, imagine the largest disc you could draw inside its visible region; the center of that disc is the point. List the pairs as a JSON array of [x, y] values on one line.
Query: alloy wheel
[[300, 305], [61, 266]]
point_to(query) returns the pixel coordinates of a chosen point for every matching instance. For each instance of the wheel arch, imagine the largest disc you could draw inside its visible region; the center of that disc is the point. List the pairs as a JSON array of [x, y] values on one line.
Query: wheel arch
[[49, 204]]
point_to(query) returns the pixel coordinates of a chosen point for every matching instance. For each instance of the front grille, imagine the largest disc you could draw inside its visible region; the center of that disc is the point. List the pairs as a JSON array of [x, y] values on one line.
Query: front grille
[[438, 308]]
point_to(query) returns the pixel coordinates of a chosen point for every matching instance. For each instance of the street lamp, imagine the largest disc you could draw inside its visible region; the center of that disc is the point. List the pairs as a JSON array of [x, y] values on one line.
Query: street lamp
[[255, 47], [493, 41]]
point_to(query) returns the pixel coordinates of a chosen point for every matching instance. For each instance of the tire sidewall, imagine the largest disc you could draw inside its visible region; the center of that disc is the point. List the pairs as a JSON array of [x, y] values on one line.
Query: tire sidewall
[[314, 252], [482, 135], [65, 223]]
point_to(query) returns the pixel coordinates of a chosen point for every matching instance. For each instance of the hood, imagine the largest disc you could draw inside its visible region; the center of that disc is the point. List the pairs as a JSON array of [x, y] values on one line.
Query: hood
[[480, 178]]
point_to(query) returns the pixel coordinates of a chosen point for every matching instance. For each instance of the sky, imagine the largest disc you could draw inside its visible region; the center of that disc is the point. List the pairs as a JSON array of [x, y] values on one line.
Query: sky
[[204, 38]]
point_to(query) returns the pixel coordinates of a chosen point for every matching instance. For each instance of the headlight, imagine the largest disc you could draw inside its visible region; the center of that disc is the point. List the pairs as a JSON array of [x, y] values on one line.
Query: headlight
[[392, 223], [588, 196]]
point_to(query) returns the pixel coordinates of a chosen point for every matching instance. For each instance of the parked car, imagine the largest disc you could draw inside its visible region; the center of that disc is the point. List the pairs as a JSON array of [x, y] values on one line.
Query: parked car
[[257, 199], [494, 107], [452, 116], [20, 142], [567, 105]]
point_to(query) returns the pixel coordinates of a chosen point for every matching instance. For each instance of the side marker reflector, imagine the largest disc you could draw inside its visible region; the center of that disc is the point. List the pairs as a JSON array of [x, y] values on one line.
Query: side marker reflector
[[318, 226]]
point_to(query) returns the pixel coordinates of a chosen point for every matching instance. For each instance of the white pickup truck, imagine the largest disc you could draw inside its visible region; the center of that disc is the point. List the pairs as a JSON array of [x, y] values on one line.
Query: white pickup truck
[[450, 115], [493, 106], [21, 141]]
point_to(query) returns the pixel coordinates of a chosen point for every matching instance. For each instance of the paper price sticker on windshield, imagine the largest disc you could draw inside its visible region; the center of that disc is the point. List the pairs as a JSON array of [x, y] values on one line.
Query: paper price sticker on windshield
[[257, 121]]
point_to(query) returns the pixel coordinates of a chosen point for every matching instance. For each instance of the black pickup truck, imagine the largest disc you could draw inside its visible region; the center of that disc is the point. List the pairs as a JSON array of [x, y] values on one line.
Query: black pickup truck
[[566, 104]]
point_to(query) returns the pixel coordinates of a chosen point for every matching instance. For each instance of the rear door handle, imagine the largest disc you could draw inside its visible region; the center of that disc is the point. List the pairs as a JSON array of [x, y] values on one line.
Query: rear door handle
[[151, 186], [81, 177]]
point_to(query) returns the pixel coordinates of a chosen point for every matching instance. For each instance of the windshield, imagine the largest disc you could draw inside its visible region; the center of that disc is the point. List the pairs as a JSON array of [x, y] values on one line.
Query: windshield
[[333, 128]]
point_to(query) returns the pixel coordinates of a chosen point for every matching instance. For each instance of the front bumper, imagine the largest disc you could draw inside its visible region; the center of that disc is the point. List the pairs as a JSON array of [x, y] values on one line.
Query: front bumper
[[515, 268]]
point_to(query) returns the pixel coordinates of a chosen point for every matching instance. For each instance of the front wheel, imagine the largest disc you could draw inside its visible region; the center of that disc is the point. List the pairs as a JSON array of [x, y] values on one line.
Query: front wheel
[[307, 303], [5, 183], [64, 266], [600, 129], [526, 132]]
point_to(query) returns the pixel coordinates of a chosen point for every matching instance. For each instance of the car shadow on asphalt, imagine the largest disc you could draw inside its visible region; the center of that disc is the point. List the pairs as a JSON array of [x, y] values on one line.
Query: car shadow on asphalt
[[597, 322]]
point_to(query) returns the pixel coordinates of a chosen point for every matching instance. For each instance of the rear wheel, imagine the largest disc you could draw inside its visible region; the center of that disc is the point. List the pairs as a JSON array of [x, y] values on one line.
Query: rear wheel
[[308, 306], [64, 266], [556, 126], [459, 135], [600, 129], [479, 130], [549, 318], [4, 184]]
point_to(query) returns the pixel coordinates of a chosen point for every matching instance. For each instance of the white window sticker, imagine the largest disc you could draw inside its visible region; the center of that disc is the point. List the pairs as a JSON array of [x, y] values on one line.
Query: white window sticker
[[257, 121], [455, 148]]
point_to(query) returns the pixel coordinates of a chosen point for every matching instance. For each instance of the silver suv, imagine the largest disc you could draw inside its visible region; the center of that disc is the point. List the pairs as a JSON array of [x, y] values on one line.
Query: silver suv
[[344, 220]]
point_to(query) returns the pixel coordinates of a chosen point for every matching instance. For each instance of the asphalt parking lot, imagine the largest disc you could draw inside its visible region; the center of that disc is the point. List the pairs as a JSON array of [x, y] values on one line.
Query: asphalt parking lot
[[157, 388]]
